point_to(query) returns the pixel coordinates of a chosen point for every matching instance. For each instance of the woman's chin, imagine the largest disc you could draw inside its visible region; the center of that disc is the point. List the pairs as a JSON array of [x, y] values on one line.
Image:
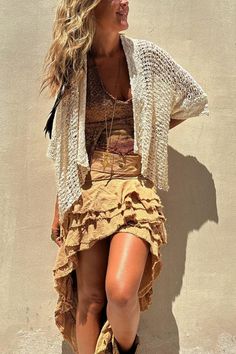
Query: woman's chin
[[123, 25]]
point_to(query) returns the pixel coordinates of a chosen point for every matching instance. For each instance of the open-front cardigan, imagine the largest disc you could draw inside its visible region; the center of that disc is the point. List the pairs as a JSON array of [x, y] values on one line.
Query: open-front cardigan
[[161, 89]]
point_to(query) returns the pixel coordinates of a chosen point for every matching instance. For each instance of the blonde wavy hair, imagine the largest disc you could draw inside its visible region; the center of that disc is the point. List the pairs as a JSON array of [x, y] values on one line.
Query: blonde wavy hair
[[73, 32]]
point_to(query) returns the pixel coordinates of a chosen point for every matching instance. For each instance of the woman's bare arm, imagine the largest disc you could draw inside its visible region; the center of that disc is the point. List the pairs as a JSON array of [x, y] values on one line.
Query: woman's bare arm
[[55, 223]]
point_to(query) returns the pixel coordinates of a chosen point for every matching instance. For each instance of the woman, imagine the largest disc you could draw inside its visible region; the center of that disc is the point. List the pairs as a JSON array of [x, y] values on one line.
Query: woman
[[118, 98]]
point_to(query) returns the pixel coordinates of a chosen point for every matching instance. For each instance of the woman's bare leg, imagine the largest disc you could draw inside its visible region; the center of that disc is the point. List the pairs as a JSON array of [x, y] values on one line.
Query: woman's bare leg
[[126, 264], [90, 276]]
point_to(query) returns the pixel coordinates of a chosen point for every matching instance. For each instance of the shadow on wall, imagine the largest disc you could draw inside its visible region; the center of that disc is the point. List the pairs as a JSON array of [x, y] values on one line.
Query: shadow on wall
[[189, 203]]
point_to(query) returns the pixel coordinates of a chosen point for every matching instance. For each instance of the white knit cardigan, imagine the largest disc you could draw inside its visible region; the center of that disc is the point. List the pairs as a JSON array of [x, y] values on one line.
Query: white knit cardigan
[[161, 89]]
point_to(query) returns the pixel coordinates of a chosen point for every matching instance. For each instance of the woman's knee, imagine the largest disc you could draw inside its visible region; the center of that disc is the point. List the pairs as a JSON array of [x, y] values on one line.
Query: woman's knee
[[127, 259], [121, 294], [91, 301]]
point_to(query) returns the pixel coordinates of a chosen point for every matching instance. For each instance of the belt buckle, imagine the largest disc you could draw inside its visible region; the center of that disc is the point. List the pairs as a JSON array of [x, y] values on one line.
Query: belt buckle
[[122, 164]]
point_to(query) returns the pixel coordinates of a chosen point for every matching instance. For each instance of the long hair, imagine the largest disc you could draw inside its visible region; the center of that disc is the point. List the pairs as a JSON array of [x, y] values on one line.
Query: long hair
[[73, 31]]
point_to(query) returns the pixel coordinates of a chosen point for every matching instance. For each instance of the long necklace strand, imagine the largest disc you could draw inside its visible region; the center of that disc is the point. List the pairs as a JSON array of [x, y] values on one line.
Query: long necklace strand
[[106, 157]]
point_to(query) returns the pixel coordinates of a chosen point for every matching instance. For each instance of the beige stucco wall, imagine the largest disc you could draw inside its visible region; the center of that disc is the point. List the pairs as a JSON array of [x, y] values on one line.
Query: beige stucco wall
[[194, 308]]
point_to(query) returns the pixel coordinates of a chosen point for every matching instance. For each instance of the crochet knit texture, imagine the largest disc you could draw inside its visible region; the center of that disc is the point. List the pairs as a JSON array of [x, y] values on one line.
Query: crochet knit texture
[[161, 90]]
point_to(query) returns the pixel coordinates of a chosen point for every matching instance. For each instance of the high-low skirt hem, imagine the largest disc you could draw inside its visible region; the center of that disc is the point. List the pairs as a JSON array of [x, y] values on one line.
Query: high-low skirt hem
[[123, 205]]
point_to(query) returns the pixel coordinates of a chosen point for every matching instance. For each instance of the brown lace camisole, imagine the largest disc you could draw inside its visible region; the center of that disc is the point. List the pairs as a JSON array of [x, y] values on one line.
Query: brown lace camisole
[[100, 102]]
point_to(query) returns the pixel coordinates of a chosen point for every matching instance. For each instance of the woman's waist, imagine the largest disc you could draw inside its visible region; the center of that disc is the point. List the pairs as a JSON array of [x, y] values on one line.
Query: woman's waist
[[103, 164]]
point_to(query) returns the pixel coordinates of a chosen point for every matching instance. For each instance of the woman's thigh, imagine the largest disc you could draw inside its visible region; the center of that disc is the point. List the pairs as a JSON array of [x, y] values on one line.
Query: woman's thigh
[[91, 271], [126, 263]]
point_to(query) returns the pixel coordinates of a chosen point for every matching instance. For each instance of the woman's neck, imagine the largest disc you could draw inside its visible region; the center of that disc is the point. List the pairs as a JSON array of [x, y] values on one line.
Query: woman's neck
[[105, 44]]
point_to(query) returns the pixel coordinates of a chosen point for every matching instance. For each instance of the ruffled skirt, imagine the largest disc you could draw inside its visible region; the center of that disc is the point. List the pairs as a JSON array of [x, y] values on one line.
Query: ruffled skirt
[[117, 200]]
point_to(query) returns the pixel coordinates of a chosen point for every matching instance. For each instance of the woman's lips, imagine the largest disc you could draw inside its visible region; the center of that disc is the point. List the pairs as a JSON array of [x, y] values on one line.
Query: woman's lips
[[123, 14]]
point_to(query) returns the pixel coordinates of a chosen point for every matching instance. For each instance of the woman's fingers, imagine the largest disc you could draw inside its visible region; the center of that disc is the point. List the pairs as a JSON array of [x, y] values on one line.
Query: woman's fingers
[[56, 236], [59, 242]]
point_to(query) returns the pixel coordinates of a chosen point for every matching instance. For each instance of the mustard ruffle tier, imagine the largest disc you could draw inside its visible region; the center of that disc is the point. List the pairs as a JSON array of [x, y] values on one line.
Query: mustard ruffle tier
[[124, 205]]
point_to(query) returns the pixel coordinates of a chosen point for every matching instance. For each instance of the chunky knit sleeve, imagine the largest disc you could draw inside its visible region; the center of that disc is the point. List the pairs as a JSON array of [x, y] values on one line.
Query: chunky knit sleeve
[[189, 98]]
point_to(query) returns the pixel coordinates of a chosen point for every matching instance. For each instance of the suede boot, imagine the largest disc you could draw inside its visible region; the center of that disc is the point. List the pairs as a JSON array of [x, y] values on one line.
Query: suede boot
[[133, 349]]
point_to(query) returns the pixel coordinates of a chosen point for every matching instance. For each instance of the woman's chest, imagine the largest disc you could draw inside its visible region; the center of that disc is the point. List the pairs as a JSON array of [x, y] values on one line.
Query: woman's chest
[[101, 105], [113, 75]]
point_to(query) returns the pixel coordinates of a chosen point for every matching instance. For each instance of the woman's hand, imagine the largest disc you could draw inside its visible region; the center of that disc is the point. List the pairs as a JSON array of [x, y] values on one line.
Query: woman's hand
[[55, 230]]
